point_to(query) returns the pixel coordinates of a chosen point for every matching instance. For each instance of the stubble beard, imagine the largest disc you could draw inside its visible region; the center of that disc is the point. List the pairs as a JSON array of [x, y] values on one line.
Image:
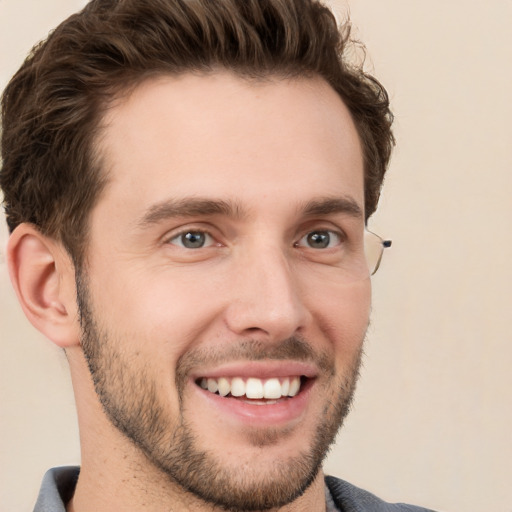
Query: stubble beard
[[132, 403]]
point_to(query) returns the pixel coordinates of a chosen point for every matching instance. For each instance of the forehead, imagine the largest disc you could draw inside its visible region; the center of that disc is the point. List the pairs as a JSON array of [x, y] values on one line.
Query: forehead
[[218, 135]]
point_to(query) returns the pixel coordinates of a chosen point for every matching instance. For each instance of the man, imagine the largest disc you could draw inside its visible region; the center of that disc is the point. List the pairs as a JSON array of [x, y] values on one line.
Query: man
[[187, 185]]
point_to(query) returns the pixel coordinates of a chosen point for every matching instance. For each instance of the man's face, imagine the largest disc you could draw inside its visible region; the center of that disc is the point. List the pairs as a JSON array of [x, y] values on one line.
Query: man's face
[[225, 252]]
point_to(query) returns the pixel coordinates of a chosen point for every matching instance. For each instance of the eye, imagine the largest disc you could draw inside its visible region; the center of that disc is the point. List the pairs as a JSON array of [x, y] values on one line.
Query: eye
[[321, 239], [192, 239]]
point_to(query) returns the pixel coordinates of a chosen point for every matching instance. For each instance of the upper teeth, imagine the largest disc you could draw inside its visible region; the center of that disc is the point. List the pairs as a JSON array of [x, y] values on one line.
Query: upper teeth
[[253, 388]]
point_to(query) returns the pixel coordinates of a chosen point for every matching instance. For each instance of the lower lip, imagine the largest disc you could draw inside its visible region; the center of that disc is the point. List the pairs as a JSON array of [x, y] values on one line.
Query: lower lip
[[281, 413]]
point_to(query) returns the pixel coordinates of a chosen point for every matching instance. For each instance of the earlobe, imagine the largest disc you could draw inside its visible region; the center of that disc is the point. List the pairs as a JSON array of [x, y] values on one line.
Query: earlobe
[[42, 274]]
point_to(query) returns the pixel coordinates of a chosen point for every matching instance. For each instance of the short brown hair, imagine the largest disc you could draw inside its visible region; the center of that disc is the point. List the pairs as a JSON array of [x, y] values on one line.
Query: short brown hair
[[52, 108]]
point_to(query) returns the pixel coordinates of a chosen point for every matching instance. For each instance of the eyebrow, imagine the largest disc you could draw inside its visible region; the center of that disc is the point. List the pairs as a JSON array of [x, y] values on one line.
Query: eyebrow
[[332, 205], [189, 207], [198, 206]]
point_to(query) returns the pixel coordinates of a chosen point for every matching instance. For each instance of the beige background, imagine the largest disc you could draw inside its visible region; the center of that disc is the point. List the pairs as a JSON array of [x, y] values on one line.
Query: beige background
[[433, 416]]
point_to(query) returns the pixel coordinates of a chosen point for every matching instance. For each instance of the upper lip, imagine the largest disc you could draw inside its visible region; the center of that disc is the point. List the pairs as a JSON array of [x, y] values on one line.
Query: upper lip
[[259, 370]]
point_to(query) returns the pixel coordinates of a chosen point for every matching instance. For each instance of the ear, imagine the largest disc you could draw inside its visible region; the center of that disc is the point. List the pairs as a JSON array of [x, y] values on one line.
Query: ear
[[43, 277]]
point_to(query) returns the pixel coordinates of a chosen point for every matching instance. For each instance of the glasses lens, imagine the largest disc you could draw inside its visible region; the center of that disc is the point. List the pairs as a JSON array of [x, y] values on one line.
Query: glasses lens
[[374, 247]]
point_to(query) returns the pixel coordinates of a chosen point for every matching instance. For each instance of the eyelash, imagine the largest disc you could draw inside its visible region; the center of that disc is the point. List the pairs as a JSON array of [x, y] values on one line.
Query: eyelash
[[338, 235], [185, 232]]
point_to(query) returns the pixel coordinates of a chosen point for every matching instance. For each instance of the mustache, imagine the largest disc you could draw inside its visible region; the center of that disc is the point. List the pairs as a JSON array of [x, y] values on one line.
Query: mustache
[[295, 348]]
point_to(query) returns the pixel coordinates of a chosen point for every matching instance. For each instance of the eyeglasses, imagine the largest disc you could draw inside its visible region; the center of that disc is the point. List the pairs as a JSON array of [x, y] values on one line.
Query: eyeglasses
[[374, 247], [361, 256]]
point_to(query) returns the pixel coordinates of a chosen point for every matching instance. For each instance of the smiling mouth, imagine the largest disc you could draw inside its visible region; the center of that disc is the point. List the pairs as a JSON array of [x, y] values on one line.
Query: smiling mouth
[[257, 391]]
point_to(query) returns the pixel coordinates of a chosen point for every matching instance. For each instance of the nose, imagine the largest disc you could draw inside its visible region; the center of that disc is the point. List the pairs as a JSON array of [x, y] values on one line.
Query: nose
[[266, 300]]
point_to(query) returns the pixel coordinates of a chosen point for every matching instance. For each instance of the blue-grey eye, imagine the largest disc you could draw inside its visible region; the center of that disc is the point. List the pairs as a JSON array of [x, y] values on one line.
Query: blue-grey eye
[[324, 239], [192, 239]]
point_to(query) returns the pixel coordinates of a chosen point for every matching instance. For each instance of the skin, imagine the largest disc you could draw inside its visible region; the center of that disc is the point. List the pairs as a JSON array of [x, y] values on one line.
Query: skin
[[158, 315]]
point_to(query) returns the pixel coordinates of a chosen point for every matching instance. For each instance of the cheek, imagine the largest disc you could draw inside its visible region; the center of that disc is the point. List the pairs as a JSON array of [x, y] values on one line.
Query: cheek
[[161, 314], [343, 313]]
